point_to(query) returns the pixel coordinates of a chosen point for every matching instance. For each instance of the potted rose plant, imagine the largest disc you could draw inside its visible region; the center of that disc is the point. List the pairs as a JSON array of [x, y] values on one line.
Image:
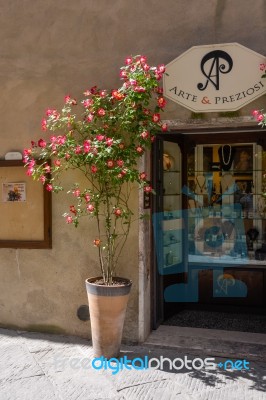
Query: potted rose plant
[[103, 136]]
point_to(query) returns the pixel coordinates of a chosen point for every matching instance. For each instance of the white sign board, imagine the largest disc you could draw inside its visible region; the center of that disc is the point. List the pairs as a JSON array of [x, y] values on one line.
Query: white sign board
[[213, 78]]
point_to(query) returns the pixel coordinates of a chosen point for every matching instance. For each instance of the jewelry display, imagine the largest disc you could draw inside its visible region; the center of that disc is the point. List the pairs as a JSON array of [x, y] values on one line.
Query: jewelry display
[[261, 206], [192, 205], [229, 155], [227, 229], [226, 156], [260, 254], [200, 184], [252, 236], [227, 206], [247, 202], [168, 162], [228, 183], [244, 163]]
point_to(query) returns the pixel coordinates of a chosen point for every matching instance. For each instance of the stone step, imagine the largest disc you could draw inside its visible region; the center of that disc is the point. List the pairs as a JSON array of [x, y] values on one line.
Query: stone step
[[212, 342]]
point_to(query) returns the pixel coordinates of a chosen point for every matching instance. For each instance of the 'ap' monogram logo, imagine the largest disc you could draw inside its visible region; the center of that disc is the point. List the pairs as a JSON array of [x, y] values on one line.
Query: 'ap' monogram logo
[[212, 65]]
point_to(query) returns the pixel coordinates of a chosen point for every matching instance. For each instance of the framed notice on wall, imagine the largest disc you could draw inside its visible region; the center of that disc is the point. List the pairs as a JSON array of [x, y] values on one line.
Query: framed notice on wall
[[14, 191], [25, 208]]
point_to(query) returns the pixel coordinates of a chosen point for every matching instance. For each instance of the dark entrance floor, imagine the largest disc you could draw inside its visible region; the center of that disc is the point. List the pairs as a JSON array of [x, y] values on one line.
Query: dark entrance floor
[[219, 320]]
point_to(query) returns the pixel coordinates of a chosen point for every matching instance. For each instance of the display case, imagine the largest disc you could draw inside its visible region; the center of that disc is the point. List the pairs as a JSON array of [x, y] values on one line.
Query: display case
[[226, 204], [171, 216]]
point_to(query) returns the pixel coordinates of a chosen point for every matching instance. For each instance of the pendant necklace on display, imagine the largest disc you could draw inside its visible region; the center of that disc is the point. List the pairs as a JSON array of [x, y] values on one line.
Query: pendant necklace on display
[[201, 186], [227, 181]]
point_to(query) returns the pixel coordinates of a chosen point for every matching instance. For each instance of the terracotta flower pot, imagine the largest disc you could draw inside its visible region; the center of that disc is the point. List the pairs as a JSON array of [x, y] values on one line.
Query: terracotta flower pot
[[107, 306]]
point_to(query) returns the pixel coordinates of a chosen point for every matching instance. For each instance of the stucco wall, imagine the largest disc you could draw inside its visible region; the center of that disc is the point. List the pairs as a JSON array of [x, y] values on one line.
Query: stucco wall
[[51, 48]]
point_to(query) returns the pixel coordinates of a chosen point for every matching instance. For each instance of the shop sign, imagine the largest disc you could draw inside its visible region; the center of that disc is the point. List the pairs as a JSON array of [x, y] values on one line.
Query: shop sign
[[215, 78]]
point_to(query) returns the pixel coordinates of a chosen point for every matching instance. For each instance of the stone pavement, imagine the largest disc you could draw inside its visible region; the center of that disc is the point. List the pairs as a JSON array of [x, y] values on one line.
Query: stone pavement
[[54, 367]]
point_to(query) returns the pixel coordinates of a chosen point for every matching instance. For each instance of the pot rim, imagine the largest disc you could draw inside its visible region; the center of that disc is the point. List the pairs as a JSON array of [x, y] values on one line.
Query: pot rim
[[105, 290], [90, 281]]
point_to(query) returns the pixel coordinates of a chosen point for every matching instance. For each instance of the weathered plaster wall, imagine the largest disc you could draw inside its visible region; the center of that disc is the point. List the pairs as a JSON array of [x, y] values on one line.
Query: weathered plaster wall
[[51, 48]]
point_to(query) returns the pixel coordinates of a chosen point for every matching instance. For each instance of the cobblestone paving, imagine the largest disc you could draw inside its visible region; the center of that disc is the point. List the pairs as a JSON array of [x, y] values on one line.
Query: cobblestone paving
[[37, 366]]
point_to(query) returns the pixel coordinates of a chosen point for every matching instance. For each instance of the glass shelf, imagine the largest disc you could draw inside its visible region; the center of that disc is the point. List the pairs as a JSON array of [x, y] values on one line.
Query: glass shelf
[[232, 172], [198, 216], [172, 194], [171, 171]]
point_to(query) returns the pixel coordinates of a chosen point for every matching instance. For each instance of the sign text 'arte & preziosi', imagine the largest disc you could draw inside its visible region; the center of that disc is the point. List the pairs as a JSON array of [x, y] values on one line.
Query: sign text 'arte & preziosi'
[[215, 78]]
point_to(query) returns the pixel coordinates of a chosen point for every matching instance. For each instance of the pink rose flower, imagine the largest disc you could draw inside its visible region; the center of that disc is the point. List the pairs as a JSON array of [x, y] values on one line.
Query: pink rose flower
[[42, 143], [143, 59], [100, 137], [78, 150], [89, 118], [164, 127], [123, 74], [145, 135], [158, 75], [47, 168], [93, 90], [139, 89], [101, 112], [143, 175], [147, 189], [30, 171], [118, 212], [93, 169], [161, 68], [76, 192], [128, 60], [156, 117], [161, 102], [88, 103], [49, 187], [69, 100], [109, 142], [102, 93], [69, 219], [110, 163], [146, 67], [90, 207], [97, 242], [117, 95], [87, 197], [133, 82], [61, 139], [44, 124]]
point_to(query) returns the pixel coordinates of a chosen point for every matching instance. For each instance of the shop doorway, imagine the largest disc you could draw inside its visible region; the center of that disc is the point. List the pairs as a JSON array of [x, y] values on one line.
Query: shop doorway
[[209, 224]]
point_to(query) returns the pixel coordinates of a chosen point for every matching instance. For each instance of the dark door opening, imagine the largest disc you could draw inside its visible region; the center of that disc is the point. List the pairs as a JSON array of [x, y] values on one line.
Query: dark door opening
[[209, 226]]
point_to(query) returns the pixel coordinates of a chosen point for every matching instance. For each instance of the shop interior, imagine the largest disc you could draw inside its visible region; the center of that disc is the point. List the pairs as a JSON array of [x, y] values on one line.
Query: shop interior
[[209, 224]]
